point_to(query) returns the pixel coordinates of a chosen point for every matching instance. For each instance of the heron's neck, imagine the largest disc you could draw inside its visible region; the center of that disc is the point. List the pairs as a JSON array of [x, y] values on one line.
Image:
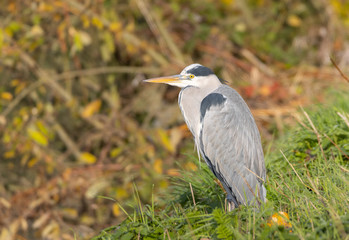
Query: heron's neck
[[189, 101]]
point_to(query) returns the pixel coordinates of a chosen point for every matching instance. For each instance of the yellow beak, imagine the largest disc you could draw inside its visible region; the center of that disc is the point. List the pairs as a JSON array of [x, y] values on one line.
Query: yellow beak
[[168, 79]]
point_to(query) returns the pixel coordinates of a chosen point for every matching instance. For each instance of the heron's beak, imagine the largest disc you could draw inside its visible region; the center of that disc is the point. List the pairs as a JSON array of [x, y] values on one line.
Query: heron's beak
[[168, 79]]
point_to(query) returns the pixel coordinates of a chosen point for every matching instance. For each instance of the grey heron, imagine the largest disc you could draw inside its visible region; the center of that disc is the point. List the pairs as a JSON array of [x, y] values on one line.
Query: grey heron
[[224, 131]]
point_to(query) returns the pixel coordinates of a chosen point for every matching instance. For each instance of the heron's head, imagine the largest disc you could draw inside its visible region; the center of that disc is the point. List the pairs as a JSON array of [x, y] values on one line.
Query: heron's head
[[193, 75]]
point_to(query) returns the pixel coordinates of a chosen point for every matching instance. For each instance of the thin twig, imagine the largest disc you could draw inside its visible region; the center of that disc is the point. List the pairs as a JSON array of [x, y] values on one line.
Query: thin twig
[[257, 63], [336, 146], [126, 35], [105, 70], [73, 74], [294, 170], [44, 76], [344, 117], [20, 97], [143, 7], [168, 235], [69, 143], [192, 194], [339, 70], [160, 31]]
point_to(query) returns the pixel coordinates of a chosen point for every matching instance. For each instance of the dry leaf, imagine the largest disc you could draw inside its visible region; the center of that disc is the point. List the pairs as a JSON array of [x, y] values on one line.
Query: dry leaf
[[87, 158], [87, 220], [6, 96], [158, 166], [265, 91], [37, 136], [32, 162], [91, 108], [173, 172], [96, 188], [294, 21], [9, 154], [191, 166], [70, 213], [51, 231], [165, 140], [280, 219], [5, 203], [116, 210], [24, 224], [115, 152], [41, 220], [176, 136], [121, 193]]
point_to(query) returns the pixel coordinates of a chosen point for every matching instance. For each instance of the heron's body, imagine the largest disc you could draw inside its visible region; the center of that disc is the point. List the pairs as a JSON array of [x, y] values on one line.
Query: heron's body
[[225, 133]]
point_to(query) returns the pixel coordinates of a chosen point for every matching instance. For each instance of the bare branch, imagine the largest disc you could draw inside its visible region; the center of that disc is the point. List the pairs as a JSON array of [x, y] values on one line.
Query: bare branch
[[340, 71]]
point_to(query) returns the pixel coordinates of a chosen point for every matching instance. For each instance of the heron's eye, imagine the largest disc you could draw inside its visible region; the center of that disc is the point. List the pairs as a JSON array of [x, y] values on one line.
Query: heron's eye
[[191, 76]]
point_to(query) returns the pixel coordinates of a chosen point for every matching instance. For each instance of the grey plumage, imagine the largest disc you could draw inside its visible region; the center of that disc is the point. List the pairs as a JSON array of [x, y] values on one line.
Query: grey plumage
[[224, 132]]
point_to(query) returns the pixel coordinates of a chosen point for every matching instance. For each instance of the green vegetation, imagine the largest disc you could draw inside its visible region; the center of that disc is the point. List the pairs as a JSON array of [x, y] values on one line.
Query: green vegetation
[[308, 179], [76, 121]]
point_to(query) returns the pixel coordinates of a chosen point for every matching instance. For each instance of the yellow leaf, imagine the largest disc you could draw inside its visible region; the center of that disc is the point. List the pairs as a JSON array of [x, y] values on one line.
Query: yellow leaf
[[85, 21], [91, 108], [116, 210], [294, 21], [5, 234], [115, 26], [32, 162], [87, 220], [6, 138], [36, 31], [115, 152], [37, 136], [173, 172], [227, 2], [280, 219], [9, 154], [96, 22], [176, 136], [70, 213], [20, 87], [163, 184], [265, 91], [191, 166], [88, 158], [165, 140], [42, 128], [44, 7], [121, 193], [158, 166], [15, 82], [7, 96]]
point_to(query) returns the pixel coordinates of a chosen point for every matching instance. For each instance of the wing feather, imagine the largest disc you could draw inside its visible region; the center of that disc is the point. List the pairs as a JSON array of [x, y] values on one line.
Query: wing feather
[[230, 140]]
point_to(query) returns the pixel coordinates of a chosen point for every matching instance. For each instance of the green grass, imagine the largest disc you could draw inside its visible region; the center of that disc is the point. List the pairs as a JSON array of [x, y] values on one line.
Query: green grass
[[307, 177]]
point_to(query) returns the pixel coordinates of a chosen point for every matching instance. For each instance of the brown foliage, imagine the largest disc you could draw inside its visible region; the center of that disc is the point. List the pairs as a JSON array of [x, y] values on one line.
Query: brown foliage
[[76, 121]]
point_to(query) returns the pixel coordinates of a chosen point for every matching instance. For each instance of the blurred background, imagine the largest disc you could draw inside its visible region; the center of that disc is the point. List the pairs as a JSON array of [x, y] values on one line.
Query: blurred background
[[79, 129]]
